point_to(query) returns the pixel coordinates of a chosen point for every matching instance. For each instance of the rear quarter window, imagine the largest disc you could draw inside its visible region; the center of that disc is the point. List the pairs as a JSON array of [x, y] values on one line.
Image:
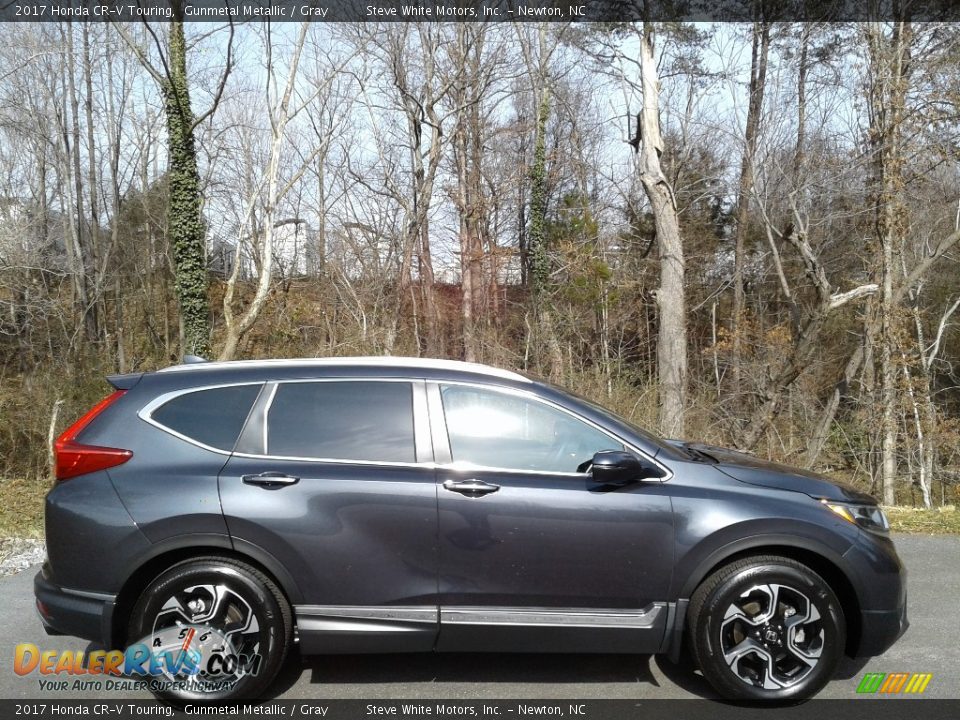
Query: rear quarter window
[[212, 417]]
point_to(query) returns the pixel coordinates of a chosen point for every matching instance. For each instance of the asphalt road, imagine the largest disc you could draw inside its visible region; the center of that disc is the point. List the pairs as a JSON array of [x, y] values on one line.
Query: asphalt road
[[930, 645]]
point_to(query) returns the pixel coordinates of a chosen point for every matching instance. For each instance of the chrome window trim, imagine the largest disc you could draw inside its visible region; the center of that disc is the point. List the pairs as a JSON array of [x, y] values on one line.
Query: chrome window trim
[[526, 394], [265, 417], [422, 439], [438, 425], [146, 412], [413, 382], [337, 461]]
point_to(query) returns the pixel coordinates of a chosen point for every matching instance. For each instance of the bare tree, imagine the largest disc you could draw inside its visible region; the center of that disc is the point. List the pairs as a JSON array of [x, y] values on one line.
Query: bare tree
[[760, 50], [537, 254], [672, 342], [273, 194], [889, 82]]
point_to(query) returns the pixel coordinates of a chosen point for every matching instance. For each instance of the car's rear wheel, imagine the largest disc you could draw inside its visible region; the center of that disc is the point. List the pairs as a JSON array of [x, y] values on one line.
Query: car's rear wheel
[[215, 629], [766, 628]]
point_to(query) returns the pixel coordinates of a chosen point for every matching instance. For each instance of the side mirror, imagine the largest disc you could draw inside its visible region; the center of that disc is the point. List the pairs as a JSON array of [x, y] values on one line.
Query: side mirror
[[618, 467]]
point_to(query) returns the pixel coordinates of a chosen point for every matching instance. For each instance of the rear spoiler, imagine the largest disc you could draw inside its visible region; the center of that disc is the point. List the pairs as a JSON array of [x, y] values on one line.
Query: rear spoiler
[[124, 382]]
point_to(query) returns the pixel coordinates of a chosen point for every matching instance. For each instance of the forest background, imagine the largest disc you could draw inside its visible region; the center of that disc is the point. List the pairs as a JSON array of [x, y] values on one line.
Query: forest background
[[742, 233]]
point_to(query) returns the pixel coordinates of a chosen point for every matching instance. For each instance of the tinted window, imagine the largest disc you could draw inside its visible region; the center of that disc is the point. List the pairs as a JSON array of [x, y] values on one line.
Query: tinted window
[[507, 431], [213, 417], [343, 421]]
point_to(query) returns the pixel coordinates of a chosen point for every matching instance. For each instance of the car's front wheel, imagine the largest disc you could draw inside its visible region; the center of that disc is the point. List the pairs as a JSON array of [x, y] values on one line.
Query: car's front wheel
[[210, 629], [766, 628]]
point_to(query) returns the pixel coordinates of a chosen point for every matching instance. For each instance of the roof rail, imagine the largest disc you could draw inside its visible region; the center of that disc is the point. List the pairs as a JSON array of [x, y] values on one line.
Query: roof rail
[[333, 362], [193, 359]]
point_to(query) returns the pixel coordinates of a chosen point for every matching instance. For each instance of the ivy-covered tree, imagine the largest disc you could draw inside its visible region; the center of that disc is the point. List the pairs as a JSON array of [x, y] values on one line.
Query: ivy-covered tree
[[539, 262], [186, 228]]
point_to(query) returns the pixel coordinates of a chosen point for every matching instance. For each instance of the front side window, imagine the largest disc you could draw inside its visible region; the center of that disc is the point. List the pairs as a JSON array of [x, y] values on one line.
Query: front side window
[[500, 430], [213, 417], [368, 421]]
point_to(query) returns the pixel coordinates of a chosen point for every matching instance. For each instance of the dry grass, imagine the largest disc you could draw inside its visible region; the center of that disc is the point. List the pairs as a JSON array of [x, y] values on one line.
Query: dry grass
[[939, 521], [21, 509]]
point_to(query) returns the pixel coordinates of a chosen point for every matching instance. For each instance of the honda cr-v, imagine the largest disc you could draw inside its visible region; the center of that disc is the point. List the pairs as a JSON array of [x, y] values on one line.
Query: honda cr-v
[[222, 515]]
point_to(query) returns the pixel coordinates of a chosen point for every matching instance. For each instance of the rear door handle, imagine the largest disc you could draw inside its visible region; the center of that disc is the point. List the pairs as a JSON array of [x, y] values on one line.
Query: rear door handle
[[270, 479], [470, 488]]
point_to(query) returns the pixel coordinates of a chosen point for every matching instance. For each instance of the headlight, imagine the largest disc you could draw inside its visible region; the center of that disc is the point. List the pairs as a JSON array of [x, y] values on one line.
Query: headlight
[[869, 517]]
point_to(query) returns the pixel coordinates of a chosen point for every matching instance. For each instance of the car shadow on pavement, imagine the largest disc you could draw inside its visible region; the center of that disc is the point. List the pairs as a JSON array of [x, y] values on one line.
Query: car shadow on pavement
[[850, 667], [511, 668], [505, 668]]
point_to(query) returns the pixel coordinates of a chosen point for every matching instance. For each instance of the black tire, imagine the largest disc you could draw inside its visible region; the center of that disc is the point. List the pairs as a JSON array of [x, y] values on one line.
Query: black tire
[[269, 634], [721, 620]]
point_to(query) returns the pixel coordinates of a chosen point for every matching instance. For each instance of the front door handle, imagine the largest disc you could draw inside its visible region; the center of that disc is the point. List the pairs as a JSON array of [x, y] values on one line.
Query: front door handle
[[470, 488], [270, 479]]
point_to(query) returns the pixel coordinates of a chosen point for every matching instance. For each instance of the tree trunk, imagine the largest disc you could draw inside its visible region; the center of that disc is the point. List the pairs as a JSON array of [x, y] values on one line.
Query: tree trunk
[[184, 217], [470, 201], [923, 478], [799, 154], [84, 261], [758, 75], [672, 341], [236, 328], [96, 252], [320, 247], [539, 275], [889, 63]]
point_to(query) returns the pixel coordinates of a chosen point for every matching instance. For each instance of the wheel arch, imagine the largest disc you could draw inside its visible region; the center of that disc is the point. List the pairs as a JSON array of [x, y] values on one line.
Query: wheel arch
[[821, 559], [166, 555]]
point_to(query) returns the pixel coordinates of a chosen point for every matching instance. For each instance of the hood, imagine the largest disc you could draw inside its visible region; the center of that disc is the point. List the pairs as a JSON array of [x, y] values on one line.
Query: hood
[[755, 471]]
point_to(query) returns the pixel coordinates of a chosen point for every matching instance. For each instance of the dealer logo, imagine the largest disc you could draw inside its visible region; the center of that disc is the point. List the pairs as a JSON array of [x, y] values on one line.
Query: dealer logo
[[899, 683], [177, 653]]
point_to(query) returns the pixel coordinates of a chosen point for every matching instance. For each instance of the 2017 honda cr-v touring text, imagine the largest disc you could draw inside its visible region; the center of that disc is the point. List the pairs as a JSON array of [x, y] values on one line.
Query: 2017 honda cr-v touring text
[[215, 516]]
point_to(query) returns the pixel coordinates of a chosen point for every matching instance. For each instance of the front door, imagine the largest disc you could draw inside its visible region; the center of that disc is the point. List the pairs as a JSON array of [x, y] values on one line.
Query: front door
[[533, 556], [335, 481]]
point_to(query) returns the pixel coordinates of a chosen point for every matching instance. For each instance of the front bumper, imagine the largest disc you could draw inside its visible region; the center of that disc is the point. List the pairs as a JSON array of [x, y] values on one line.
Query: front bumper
[[83, 614], [882, 593], [879, 629]]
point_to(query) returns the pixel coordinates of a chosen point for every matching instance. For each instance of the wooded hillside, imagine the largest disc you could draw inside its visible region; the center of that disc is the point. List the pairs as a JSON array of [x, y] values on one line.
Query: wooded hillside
[[745, 234]]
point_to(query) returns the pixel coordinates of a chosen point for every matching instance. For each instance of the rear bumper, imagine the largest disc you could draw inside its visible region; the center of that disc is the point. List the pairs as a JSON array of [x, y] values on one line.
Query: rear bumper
[[82, 614]]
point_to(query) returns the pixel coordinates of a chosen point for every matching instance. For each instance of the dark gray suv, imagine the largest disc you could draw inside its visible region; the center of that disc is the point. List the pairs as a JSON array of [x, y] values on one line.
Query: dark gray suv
[[220, 514]]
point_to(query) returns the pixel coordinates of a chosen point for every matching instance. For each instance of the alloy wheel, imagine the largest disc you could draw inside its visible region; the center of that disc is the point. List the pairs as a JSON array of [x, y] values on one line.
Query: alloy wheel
[[772, 636]]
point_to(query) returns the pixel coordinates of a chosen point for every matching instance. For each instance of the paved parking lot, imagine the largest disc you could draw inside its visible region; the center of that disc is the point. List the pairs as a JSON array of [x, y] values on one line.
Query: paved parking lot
[[931, 645]]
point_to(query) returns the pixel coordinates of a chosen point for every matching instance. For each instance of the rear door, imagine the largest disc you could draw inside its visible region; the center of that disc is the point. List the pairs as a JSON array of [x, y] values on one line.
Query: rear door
[[334, 479]]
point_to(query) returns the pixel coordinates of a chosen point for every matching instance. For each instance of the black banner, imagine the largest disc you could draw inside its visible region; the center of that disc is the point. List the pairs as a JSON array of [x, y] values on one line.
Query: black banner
[[223, 11], [319, 709]]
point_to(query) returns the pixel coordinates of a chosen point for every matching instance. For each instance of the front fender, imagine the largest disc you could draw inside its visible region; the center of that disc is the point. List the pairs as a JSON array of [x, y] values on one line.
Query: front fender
[[757, 537], [694, 563]]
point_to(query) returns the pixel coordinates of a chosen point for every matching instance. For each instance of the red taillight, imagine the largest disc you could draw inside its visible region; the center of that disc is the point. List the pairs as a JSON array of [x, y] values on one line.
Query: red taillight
[[73, 458]]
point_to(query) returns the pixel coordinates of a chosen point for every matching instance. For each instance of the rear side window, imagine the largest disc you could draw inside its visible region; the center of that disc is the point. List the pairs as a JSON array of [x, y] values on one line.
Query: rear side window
[[368, 421], [213, 417]]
